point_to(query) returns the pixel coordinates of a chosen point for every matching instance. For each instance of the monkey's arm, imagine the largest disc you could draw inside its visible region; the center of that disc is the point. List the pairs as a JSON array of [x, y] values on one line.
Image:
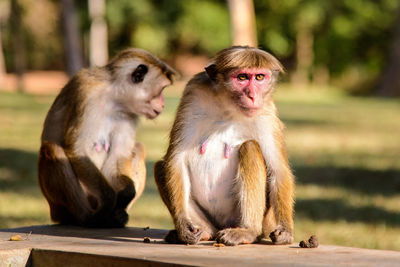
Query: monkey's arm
[[171, 178], [130, 177], [280, 191], [92, 178]]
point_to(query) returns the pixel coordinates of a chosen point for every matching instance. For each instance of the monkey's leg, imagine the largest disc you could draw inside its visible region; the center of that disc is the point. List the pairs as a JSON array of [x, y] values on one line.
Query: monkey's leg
[[250, 193], [138, 163], [103, 195], [282, 202], [199, 220], [186, 231], [67, 200], [128, 182]]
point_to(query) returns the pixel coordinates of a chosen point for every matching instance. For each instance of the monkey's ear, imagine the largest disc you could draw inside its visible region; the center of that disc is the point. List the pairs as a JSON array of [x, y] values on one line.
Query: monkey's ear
[[138, 74], [211, 71]]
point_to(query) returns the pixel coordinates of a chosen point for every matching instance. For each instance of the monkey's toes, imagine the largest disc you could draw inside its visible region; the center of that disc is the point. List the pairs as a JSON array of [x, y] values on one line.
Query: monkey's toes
[[191, 235], [188, 235], [281, 236], [235, 236]]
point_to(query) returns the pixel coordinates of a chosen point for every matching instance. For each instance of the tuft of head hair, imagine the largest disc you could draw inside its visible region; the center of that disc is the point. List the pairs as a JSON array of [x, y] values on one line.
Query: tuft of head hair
[[132, 53], [240, 57]]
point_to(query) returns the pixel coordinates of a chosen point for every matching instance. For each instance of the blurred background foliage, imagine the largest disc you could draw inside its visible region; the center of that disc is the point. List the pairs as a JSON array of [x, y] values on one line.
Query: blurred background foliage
[[344, 43], [344, 149]]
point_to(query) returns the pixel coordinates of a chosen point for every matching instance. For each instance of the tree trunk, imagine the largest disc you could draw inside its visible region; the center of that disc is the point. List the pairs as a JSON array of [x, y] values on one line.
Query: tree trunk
[[389, 85], [304, 56], [98, 49], [18, 41], [243, 22], [72, 40], [2, 63]]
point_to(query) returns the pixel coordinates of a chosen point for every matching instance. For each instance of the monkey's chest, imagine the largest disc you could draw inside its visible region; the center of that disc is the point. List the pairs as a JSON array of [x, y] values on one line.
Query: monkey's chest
[[107, 141], [213, 169]]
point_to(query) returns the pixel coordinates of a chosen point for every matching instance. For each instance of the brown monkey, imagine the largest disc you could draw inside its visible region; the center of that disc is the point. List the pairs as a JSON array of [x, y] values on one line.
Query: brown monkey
[[226, 175], [90, 166]]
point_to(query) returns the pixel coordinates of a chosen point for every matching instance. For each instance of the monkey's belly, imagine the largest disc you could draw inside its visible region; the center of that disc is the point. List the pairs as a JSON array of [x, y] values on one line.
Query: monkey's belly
[[212, 180]]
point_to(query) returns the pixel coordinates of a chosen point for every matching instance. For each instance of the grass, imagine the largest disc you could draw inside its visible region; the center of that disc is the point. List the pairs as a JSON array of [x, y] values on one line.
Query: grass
[[345, 152]]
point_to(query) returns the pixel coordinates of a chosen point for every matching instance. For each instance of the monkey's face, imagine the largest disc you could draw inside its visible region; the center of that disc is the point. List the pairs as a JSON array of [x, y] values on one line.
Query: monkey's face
[[248, 88], [143, 86]]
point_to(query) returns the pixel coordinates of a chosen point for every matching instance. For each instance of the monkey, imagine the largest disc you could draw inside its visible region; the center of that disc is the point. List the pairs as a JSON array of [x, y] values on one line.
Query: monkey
[[90, 167], [225, 175]]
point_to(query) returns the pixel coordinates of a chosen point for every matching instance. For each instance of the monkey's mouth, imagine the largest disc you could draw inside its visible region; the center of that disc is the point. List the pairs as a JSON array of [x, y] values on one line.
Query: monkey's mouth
[[153, 114], [248, 111]]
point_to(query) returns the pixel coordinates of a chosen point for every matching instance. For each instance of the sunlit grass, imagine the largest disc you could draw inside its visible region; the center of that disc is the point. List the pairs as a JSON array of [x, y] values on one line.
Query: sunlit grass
[[345, 152]]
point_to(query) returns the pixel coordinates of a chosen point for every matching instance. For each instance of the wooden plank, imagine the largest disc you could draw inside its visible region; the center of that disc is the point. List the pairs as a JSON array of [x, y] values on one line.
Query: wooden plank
[[124, 246]]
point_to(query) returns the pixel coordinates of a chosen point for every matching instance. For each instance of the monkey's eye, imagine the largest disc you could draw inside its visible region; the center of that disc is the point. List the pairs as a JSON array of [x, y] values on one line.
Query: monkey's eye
[[139, 73], [260, 77], [242, 77]]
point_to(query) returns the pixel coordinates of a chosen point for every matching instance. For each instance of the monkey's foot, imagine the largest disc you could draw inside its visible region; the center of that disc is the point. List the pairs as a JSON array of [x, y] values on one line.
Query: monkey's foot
[[281, 236], [187, 235], [173, 238], [117, 219], [235, 236]]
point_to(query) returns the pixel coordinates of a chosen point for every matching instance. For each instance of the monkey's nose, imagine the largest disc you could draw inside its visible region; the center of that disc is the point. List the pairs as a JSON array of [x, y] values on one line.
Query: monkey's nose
[[250, 94]]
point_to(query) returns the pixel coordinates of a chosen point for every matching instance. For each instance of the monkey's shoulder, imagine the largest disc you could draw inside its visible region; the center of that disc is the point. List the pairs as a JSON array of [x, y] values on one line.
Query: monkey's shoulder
[[85, 80], [200, 81]]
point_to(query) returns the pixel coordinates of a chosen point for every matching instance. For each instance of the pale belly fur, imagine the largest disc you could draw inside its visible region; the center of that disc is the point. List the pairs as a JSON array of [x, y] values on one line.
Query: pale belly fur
[[212, 175]]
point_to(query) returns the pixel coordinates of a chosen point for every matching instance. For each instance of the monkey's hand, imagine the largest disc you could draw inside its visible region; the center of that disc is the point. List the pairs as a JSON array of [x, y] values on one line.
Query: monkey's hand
[[185, 233], [281, 236], [235, 236]]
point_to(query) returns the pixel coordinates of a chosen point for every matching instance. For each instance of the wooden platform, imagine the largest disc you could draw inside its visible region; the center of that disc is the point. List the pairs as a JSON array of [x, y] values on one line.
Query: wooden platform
[[59, 246]]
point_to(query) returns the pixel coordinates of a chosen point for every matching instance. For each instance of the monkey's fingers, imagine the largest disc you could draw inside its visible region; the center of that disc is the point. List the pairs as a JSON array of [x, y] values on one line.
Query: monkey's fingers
[[235, 236], [281, 236]]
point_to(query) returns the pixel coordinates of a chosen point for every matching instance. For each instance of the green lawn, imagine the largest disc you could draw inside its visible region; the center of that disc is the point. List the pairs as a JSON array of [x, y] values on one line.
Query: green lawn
[[345, 153]]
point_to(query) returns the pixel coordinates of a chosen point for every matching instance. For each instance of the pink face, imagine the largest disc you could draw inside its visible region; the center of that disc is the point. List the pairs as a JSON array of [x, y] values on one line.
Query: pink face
[[249, 88]]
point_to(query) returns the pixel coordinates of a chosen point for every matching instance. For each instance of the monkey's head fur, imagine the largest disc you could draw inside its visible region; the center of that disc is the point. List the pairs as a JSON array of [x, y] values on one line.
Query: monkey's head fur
[[138, 79], [246, 74]]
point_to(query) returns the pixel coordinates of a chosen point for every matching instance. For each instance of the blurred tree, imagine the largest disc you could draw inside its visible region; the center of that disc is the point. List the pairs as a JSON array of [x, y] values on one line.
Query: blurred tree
[[390, 80], [341, 42], [308, 16], [98, 48], [4, 13], [345, 41], [72, 39], [243, 22], [18, 40], [204, 26], [2, 63]]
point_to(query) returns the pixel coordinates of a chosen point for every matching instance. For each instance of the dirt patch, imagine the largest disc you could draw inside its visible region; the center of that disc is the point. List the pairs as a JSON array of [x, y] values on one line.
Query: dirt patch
[[36, 82]]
